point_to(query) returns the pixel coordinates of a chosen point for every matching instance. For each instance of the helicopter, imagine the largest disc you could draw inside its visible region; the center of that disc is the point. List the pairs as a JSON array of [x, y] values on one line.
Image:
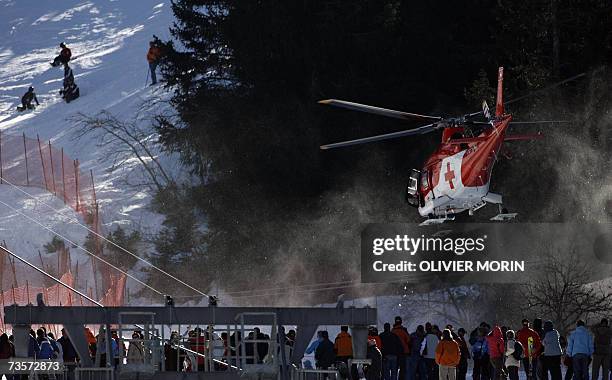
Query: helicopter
[[456, 177]]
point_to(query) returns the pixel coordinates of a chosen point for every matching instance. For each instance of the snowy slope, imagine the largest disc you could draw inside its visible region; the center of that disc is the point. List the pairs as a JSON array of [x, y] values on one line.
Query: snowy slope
[[109, 40]]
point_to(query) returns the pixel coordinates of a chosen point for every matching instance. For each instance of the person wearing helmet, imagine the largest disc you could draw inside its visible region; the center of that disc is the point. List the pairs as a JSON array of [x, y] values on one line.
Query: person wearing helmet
[[26, 100], [63, 57]]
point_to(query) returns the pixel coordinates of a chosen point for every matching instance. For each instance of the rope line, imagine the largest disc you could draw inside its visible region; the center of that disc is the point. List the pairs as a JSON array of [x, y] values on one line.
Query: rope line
[[80, 247], [75, 220]]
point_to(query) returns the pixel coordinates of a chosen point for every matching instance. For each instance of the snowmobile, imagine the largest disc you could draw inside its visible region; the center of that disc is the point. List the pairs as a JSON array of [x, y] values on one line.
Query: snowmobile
[[29, 107], [70, 92]]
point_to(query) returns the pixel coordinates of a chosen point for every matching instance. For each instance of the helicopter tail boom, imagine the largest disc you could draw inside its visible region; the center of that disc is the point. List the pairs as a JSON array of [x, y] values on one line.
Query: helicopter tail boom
[[499, 106]]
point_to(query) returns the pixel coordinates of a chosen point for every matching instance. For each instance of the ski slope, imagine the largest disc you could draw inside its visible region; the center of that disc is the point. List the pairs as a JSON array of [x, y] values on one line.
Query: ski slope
[[109, 41]]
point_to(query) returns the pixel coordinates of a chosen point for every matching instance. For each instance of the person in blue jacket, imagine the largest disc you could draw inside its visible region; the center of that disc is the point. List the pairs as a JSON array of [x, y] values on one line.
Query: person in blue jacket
[[580, 348], [480, 354]]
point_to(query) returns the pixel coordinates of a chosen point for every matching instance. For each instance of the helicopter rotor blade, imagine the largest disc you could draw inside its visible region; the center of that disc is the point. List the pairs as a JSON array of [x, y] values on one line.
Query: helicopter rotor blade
[[377, 110], [387, 136], [527, 122], [544, 89], [541, 122]]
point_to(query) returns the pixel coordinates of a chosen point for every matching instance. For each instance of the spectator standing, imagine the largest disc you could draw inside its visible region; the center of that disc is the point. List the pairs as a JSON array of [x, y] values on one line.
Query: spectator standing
[[496, 344], [447, 356], [465, 354], [532, 344], [551, 356], [601, 355], [580, 349], [391, 349], [429, 351], [514, 355]]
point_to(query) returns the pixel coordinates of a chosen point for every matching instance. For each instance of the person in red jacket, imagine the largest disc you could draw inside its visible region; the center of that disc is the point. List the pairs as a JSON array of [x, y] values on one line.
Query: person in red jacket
[[497, 348], [532, 345], [63, 57]]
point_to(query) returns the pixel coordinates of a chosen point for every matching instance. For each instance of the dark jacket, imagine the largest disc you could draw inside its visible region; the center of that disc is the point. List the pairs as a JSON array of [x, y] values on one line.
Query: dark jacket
[[33, 348], [391, 344], [416, 340], [374, 369], [603, 337], [69, 353], [66, 54], [28, 97], [324, 354], [7, 350]]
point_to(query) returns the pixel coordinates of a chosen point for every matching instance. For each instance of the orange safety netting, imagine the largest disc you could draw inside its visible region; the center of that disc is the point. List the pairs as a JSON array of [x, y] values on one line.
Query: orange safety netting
[[31, 162], [26, 161]]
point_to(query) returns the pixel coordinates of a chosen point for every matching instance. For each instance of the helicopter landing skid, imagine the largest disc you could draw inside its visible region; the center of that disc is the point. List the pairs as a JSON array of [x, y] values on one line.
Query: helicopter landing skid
[[504, 217], [440, 220]]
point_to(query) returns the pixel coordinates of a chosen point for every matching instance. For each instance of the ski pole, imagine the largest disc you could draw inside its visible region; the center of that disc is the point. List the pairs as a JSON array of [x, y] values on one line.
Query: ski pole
[[147, 79]]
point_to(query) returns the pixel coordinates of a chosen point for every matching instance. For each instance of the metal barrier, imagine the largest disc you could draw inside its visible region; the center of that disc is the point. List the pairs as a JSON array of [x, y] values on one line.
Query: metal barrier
[[314, 374], [103, 373]]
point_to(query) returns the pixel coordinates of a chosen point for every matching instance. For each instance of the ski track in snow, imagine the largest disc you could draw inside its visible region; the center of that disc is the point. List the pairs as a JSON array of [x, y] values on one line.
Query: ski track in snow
[[109, 41]]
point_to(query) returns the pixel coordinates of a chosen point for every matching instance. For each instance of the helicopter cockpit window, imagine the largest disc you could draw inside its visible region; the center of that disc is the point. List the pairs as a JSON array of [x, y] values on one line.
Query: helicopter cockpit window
[[413, 184], [425, 180]]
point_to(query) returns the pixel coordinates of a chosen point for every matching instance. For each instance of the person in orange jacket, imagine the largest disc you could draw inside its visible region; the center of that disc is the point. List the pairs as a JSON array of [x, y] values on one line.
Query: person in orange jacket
[[153, 56], [343, 345], [448, 356], [404, 336], [91, 342], [532, 344]]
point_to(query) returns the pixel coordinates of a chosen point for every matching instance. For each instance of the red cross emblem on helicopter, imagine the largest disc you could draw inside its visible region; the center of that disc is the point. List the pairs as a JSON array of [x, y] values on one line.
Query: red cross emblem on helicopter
[[449, 175]]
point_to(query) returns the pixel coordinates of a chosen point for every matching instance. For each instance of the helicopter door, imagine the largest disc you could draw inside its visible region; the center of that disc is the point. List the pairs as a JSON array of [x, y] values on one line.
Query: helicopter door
[[412, 189]]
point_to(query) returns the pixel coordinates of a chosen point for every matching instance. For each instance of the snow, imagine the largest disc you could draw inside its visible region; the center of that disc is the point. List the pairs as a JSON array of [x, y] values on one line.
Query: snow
[[109, 41]]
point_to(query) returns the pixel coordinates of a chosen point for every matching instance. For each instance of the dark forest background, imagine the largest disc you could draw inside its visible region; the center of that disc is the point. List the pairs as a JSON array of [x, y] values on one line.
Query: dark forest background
[[270, 209]]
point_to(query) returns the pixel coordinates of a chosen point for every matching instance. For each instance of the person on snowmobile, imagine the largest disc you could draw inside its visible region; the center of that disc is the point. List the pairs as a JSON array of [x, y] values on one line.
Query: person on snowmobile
[[26, 99], [70, 90], [63, 57], [68, 76]]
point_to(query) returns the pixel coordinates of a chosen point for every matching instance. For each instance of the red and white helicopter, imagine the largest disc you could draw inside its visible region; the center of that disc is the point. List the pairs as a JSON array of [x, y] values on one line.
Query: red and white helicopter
[[456, 177]]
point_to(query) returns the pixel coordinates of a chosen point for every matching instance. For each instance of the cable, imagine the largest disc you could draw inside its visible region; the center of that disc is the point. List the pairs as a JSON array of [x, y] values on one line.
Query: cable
[[60, 212], [26, 262], [81, 248]]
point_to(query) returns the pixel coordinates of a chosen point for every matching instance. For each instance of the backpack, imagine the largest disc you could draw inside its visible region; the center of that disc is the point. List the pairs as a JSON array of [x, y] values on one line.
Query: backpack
[[477, 350], [46, 350], [518, 350]]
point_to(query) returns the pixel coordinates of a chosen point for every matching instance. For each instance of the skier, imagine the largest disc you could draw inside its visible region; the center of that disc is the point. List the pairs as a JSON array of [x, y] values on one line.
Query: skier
[[63, 57], [26, 100], [153, 56]]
